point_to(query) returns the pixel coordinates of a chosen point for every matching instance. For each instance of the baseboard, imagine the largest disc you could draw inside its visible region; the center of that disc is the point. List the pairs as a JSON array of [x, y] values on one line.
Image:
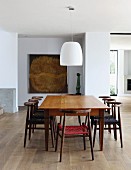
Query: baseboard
[[21, 108]]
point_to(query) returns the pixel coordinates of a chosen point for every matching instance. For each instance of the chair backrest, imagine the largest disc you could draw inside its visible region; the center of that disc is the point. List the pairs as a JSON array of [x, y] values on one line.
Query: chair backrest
[[77, 113], [36, 101], [106, 101], [37, 97], [104, 98], [109, 100], [115, 106], [30, 109]]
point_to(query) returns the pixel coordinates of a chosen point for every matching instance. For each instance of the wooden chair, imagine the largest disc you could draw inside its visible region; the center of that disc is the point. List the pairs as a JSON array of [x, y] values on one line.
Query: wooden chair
[[113, 122], [32, 120], [105, 99], [39, 113], [83, 130]]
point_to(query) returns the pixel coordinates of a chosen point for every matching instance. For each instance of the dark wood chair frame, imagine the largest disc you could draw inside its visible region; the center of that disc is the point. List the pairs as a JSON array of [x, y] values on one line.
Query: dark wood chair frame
[[113, 122], [39, 113], [107, 113], [61, 132], [32, 121]]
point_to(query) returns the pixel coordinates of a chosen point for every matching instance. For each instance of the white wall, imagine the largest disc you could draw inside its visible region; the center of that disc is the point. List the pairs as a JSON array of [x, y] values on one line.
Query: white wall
[[8, 64], [39, 46], [120, 72], [72, 73], [97, 73], [127, 59]]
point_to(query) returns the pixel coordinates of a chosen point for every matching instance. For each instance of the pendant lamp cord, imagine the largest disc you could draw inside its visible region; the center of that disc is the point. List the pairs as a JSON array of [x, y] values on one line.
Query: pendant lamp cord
[[71, 9]]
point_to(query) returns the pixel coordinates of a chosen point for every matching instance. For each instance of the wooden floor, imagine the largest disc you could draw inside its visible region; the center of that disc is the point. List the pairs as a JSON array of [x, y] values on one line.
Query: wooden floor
[[13, 156]]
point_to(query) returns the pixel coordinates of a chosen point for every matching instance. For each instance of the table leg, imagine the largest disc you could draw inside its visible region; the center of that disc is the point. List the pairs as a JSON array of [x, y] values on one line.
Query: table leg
[[101, 128], [46, 113]]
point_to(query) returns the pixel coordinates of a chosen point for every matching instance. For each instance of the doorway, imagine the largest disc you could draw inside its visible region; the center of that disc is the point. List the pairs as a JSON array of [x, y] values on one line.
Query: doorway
[[113, 72]]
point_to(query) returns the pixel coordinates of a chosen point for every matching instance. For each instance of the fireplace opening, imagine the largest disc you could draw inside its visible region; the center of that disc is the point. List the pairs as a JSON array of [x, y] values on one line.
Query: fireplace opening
[[128, 84]]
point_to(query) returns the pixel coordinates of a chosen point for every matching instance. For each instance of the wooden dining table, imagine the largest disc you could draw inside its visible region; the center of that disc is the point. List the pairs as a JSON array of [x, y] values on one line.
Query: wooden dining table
[[52, 105]]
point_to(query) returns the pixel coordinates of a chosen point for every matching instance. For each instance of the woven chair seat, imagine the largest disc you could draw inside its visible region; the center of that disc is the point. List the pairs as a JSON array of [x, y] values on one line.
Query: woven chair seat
[[110, 120], [38, 115], [36, 121], [75, 130]]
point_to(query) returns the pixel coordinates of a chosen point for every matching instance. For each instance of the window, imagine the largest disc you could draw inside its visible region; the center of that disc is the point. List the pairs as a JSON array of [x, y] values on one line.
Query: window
[[113, 72]]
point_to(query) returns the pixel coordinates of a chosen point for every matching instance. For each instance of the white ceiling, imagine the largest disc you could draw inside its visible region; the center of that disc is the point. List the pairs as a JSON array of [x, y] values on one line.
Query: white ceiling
[[52, 18]]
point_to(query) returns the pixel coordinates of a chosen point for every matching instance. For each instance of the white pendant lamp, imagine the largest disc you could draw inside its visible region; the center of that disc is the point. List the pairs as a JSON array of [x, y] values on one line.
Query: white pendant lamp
[[71, 52]]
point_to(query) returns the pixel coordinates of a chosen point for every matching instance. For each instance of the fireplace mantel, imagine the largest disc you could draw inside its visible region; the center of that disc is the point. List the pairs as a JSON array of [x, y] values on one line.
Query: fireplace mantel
[[127, 84]]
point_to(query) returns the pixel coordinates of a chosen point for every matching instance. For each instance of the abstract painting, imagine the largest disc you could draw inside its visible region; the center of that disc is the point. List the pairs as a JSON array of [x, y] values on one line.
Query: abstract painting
[[46, 75]]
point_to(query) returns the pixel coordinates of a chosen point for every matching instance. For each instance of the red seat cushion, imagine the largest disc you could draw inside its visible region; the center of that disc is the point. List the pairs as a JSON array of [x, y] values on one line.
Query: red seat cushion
[[75, 130]]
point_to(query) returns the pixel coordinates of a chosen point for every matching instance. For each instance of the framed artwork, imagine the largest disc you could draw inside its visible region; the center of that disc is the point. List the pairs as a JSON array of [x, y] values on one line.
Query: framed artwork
[[46, 75]]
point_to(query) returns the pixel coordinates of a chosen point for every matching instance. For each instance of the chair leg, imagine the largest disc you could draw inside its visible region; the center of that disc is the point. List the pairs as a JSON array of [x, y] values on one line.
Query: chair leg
[[84, 142], [92, 152], [109, 127], [26, 127], [33, 128], [52, 135], [86, 120], [79, 120], [95, 128], [57, 134], [61, 149], [62, 138], [60, 119], [92, 121], [91, 145], [30, 130], [115, 132], [120, 129], [54, 126]]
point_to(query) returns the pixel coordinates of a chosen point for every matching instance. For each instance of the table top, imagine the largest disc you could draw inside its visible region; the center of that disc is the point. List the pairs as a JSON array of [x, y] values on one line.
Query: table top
[[72, 102]]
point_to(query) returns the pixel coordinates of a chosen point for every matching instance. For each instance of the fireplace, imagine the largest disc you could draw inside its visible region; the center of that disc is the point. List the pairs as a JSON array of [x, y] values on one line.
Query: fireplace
[[128, 84]]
